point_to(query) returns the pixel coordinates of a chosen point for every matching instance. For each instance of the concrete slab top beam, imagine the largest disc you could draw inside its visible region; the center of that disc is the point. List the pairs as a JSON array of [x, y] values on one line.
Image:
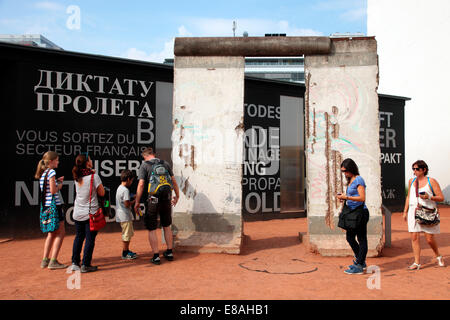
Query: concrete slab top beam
[[251, 46]]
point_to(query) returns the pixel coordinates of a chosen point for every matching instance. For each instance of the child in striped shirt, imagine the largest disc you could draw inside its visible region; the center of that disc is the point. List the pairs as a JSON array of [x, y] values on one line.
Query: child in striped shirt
[[46, 171]]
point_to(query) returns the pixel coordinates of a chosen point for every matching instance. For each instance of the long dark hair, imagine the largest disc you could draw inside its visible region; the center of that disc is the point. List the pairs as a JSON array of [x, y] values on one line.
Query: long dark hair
[[351, 167], [80, 164]]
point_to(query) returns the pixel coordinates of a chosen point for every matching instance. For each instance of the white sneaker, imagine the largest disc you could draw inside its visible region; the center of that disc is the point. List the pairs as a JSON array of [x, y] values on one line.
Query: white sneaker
[[440, 260]]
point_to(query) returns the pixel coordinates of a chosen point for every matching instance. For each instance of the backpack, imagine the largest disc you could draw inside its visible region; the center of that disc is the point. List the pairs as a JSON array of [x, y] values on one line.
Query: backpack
[[160, 183]]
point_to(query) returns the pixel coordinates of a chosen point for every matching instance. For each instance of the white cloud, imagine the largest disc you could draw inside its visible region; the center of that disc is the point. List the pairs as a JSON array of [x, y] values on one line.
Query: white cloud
[[211, 27], [47, 18], [351, 10], [159, 56], [10, 22], [30, 26], [338, 4], [136, 54], [354, 14], [183, 32], [284, 27], [37, 28], [203, 27], [48, 5]]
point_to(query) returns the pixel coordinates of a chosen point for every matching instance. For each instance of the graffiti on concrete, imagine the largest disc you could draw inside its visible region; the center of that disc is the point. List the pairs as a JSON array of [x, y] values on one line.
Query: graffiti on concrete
[[335, 118]]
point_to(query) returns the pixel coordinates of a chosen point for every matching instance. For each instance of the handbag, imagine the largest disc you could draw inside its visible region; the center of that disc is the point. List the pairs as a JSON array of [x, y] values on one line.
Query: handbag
[[97, 220], [350, 219], [48, 218], [423, 215]]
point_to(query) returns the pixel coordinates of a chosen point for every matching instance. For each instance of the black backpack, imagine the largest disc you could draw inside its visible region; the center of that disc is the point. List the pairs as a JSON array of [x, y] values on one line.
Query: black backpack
[[160, 182]]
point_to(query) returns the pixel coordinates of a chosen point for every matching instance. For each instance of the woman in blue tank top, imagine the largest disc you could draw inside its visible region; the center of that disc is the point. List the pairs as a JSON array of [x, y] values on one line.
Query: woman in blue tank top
[[355, 197]]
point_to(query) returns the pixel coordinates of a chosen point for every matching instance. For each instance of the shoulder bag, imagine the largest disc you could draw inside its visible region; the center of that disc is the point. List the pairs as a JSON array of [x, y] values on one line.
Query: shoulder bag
[[424, 215], [97, 220], [350, 219], [48, 218]]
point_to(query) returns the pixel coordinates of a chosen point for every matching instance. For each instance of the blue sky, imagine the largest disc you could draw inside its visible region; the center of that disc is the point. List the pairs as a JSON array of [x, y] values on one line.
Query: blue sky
[[145, 30]]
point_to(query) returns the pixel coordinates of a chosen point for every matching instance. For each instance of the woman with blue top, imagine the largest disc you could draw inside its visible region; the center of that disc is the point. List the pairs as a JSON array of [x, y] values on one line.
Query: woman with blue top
[[355, 197], [429, 192]]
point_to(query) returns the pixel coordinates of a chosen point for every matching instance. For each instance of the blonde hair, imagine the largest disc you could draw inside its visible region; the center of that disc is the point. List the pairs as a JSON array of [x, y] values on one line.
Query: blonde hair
[[43, 163]]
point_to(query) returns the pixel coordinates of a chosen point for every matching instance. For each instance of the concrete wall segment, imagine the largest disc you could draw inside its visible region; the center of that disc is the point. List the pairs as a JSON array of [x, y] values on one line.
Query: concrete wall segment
[[207, 151], [341, 122]]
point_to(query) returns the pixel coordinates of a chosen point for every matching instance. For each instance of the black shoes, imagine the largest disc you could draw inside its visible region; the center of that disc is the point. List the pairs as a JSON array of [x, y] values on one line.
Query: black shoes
[[85, 269], [155, 260], [168, 255]]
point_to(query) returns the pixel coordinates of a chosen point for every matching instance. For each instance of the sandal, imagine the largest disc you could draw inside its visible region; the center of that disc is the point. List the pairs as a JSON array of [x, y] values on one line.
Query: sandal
[[414, 266], [440, 260]]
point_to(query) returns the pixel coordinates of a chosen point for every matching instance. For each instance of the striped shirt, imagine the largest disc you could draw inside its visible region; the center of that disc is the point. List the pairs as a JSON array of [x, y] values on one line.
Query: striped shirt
[[48, 194]]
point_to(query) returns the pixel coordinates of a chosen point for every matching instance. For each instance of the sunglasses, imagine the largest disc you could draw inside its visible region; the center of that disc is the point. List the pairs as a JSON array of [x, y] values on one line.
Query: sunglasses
[[344, 170], [417, 169]]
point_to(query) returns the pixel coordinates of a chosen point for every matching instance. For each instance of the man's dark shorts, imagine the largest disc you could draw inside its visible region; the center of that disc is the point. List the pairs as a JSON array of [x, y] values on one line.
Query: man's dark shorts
[[164, 209]]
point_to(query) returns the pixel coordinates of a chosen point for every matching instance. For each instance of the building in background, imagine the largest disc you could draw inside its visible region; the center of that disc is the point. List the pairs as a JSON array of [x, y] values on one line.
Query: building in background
[[289, 69], [347, 35], [276, 68], [33, 40], [413, 60], [283, 68]]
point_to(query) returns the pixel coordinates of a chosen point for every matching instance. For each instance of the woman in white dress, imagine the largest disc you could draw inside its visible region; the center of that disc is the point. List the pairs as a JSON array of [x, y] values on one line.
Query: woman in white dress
[[429, 193]]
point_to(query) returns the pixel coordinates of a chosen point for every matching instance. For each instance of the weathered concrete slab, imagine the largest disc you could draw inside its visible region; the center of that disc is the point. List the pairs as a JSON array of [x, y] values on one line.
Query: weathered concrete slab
[[251, 46], [207, 152], [208, 242], [341, 121], [332, 242], [337, 245]]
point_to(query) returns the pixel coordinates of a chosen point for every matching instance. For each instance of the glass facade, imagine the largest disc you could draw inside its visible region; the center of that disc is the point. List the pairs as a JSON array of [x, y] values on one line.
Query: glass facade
[[292, 186], [289, 69]]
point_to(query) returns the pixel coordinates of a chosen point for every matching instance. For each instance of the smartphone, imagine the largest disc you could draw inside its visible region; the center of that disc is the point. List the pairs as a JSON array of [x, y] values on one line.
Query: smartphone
[[422, 193]]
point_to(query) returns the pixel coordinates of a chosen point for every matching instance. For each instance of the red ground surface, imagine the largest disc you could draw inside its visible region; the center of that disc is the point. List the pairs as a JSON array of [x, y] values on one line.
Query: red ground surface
[[273, 265]]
